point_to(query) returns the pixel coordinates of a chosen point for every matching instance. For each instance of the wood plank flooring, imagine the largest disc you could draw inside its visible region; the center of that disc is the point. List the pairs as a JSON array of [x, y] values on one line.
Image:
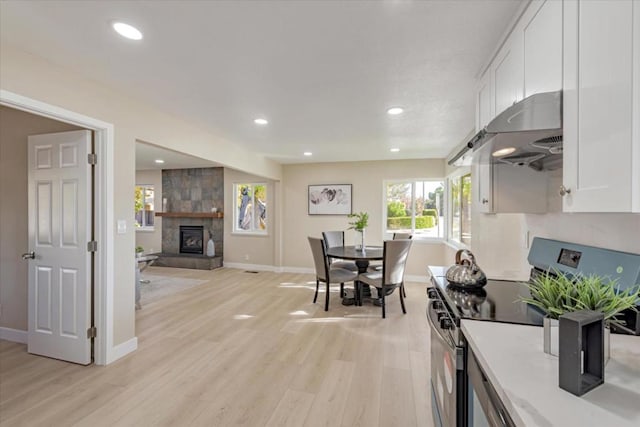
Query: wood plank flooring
[[242, 349]]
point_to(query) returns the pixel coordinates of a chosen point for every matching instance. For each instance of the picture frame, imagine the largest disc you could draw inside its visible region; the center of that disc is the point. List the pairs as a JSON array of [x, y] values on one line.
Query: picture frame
[[330, 199]]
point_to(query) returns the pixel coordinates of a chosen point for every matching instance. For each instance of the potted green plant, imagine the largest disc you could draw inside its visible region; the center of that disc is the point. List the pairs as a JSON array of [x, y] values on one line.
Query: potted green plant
[[557, 293], [139, 251], [359, 224]]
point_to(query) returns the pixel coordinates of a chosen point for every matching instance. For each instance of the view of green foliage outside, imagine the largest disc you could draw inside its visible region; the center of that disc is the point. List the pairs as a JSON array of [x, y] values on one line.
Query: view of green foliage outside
[[461, 209], [415, 207], [144, 206], [251, 207]]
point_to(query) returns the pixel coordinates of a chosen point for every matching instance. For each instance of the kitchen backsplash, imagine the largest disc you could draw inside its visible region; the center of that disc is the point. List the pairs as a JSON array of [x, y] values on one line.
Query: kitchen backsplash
[[620, 232], [500, 242]]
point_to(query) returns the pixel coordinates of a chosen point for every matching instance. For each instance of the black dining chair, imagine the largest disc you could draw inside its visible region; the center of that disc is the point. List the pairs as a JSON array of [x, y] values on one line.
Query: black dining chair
[[328, 275], [394, 260], [333, 239]]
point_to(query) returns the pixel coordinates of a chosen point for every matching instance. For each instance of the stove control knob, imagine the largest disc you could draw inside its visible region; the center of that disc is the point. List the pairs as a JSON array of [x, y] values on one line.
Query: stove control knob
[[432, 293], [438, 305], [445, 323], [441, 315]]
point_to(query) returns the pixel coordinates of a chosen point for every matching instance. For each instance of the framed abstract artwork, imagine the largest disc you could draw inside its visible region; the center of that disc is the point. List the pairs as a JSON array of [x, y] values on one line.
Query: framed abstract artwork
[[330, 199]]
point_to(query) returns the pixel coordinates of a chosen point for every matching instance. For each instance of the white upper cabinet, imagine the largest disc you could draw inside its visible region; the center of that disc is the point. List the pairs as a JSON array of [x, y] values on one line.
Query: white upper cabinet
[[484, 106], [542, 36], [530, 61], [482, 182], [508, 73], [601, 106]]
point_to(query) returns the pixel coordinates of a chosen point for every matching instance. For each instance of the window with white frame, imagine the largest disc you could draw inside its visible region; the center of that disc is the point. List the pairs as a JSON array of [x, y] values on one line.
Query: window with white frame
[[416, 207], [460, 208], [144, 207], [250, 208]]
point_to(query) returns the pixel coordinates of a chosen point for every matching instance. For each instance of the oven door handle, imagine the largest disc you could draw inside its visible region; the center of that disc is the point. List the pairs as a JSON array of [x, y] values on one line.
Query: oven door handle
[[437, 329]]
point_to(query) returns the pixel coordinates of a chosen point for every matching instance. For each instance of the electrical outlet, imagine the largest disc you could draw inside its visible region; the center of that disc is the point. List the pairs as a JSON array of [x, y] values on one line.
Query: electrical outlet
[[246, 257]]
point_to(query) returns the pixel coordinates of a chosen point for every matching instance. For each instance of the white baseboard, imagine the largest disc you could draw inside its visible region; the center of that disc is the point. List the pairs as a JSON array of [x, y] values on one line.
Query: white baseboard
[[303, 270], [14, 335], [252, 267], [121, 350]]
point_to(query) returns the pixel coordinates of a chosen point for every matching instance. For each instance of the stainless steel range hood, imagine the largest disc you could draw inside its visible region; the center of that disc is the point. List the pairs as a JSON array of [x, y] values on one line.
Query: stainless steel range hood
[[529, 133]]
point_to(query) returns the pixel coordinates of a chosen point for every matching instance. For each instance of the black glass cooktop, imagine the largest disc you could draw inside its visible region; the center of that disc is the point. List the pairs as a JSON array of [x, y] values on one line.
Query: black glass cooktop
[[497, 301]]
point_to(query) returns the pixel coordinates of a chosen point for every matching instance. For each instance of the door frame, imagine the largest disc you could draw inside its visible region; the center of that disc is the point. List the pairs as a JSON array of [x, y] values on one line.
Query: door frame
[[104, 351]]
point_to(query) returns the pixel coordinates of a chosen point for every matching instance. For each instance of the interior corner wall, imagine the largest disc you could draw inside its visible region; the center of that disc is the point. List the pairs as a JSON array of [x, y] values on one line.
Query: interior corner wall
[[254, 250], [499, 241], [367, 179], [151, 241], [30, 76], [15, 128]]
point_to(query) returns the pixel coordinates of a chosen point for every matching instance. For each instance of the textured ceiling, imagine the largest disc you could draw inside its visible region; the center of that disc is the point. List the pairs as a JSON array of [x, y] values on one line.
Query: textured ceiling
[[322, 72]]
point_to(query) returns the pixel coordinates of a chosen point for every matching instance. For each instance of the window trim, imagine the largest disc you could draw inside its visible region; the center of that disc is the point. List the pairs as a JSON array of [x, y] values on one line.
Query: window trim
[[147, 228], [235, 230], [425, 239], [457, 174]]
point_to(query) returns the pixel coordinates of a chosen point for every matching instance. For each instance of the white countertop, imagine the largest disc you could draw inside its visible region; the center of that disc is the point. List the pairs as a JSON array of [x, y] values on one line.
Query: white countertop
[[527, 379]]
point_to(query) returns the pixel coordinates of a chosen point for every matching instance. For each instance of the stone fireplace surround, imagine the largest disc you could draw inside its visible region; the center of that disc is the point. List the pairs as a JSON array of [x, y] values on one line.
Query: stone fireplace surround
[[192, 191]]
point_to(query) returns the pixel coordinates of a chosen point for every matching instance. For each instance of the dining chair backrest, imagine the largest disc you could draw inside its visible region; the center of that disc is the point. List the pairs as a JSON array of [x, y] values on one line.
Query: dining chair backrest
[[396, 253], [333, 238], [402, 236], [319, 257]]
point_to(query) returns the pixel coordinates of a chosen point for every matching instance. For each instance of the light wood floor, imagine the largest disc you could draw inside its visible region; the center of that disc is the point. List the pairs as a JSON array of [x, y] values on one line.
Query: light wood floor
[[243, 349]]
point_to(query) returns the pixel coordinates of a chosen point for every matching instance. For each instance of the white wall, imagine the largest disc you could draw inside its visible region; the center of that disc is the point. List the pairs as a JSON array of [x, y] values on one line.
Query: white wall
[[250, 249], [367, 179], [151, 241], [15, 127], [133, 119]]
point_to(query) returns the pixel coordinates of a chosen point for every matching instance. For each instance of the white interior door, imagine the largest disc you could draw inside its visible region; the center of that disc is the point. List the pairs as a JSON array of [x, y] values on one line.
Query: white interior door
[[59, 231]]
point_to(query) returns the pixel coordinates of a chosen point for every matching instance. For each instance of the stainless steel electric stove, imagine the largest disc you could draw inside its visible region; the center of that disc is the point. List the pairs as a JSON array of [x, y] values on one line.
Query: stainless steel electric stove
[[500, 301]]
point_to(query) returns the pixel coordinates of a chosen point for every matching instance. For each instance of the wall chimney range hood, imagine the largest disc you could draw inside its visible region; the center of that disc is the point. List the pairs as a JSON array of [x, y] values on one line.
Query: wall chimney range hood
[[529, 133]]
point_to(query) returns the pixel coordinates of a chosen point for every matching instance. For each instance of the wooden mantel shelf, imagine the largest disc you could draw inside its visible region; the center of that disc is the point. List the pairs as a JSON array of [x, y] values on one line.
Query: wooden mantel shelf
[[190, 214]]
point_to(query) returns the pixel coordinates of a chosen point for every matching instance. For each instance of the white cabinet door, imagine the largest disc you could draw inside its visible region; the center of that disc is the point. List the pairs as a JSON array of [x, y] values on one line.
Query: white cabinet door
[[508, 74], [482, 186], [484, 107], [598, 106], [505, 188], [542, 33]]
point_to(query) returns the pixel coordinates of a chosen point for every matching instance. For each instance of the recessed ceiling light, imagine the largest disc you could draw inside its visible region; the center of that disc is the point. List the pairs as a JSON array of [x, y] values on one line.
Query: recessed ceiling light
[[308, 153], [394, 111], [394, 150], [261, 122], [503, 152], [159, 161], [128, 31]]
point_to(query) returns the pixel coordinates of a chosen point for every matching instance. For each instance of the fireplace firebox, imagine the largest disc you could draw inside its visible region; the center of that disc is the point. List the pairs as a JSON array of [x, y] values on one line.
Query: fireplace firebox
[[191, 238]]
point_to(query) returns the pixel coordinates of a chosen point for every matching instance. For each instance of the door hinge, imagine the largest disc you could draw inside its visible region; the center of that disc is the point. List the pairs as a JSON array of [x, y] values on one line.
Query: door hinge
[[92, 246], [92, 158], [92, 332]]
